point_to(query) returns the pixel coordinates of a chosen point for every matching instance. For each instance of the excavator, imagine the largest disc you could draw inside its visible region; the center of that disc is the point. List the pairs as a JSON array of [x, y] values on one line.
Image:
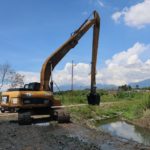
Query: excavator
[[38, 98]]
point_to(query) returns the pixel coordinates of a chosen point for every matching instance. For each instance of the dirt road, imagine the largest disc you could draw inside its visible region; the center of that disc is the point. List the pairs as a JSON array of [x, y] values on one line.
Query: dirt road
[[57, 137]]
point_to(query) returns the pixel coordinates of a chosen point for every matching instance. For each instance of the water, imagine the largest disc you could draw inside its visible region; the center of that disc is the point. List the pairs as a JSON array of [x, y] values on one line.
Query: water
[[125, 130], [43, 120], [42, 124]]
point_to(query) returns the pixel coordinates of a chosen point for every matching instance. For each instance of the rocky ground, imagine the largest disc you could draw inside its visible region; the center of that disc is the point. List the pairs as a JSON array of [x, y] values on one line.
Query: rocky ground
[[55, 136]]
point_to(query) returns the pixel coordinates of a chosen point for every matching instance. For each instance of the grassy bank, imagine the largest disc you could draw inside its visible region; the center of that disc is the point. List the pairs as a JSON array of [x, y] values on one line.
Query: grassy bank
[[80, 96], [128, 105]]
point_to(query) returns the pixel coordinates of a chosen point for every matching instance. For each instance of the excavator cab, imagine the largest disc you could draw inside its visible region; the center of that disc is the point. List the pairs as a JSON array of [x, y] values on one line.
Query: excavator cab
[[34, 86]]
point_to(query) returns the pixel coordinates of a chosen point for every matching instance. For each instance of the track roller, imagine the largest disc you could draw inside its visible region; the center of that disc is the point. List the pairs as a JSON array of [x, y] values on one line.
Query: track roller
[[62, 116], [24, 118]]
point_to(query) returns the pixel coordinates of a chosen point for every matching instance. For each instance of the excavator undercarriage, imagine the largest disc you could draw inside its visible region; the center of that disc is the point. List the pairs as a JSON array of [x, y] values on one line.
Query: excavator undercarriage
[[60, 115]]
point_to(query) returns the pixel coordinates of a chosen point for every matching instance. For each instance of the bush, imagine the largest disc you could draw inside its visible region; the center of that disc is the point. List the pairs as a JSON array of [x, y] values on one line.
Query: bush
[[72, 97], [146, 102], [129, 95], [102, 92]]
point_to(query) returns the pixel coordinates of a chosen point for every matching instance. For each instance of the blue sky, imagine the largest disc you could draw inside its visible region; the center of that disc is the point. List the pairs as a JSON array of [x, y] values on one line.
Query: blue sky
[[30, 30]]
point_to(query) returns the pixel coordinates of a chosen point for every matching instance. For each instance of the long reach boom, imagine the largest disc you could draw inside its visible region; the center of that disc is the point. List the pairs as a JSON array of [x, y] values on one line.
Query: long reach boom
[[46, 82]]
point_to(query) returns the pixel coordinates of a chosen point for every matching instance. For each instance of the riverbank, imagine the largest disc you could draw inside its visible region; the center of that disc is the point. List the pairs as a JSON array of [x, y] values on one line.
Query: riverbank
[[143, 121], [131, 111], [128, 105]]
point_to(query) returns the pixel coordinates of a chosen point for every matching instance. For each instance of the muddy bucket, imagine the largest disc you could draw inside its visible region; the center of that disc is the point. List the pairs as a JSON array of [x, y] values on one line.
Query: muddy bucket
[[93, 99]]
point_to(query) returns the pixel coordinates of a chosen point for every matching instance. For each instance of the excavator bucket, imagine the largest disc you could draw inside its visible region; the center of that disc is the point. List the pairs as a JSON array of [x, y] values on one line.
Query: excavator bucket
[[93, 99]]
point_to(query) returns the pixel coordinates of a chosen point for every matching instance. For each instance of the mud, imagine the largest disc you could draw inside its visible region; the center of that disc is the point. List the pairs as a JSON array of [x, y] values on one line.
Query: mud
[[58, 137]]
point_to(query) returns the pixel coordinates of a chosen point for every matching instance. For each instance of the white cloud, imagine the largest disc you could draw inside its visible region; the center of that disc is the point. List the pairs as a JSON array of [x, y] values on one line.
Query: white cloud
[[100, 3], [95, 2], [116, 16], [63, 77], [123, 68], [127, 66], [81, 74], [30, 76], [136, 16], [84, 13]]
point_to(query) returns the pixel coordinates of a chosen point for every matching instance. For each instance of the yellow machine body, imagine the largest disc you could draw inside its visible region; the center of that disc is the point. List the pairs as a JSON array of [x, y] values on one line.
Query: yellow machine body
[[28, 99]]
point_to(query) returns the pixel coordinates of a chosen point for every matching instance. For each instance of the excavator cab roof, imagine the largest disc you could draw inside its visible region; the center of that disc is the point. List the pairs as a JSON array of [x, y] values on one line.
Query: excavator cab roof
[[33, 86]]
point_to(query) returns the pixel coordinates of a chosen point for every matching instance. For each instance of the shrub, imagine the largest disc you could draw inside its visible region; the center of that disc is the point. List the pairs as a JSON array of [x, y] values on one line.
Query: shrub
[[146, 102]]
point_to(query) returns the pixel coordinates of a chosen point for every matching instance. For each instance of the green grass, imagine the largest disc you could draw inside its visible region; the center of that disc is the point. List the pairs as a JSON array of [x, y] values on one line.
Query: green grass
[[130, 105], [146, 102], [126, 109], [72, 97], [80, 96]]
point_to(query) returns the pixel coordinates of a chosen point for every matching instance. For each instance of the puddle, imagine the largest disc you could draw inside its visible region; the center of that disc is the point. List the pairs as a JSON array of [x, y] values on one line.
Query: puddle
[[125, 130], [42, 124], [41, 120]]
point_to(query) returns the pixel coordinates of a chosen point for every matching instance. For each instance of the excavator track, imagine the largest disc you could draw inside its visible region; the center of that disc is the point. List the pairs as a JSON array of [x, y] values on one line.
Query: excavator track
[[24, 118], [62, 116]]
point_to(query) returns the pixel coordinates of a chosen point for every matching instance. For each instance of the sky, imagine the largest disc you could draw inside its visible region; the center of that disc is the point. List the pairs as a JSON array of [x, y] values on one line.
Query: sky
[[30, 30]]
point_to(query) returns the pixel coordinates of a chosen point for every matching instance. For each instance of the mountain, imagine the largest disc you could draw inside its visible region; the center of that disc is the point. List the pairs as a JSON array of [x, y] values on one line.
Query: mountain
[[68, 87], [82, 87], [141, 84], [106, 86]]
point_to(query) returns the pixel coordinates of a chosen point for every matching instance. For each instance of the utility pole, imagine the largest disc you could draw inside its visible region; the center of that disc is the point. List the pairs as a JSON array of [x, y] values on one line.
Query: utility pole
[[72, 74]]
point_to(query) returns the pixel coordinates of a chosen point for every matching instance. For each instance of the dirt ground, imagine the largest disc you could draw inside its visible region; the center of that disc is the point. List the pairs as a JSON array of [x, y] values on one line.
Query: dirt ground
[[56, 136]]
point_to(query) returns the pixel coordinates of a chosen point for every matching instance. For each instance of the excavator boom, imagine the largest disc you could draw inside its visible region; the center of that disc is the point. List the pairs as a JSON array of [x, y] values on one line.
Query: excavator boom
[[56, 57]]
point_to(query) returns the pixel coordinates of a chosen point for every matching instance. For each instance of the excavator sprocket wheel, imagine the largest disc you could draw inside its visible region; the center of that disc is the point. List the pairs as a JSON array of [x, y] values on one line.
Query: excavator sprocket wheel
[[63, 117], [24, 118]]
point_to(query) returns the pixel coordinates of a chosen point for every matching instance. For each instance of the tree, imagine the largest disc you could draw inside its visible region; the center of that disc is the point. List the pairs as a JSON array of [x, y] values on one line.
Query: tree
[[125, 88], [17, 81], [137, 86], [9, 77], [5, 74]]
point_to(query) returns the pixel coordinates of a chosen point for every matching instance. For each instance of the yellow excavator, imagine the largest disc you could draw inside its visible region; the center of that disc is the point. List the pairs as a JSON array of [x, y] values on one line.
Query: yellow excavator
[[37, 98]]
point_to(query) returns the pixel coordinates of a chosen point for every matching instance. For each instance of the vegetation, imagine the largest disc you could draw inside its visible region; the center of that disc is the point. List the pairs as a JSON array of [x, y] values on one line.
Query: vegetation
[[125, 88], [9, 78], [146, 103], [72, 97], [80, 96], [127, 104]]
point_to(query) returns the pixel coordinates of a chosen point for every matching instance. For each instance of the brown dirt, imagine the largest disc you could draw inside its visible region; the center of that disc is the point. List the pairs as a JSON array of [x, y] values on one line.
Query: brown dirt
[[57, 137], [143, 122]]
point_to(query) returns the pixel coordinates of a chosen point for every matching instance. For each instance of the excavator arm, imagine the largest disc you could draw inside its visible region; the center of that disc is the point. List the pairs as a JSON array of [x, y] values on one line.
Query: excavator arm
[[55, 58]]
